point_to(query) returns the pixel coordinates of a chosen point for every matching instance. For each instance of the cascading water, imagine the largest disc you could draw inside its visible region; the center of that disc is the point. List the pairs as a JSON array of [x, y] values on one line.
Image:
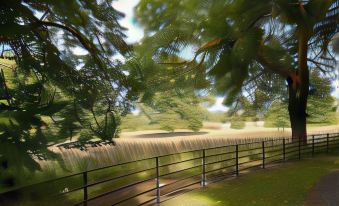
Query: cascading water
[[136, 148], [129, 149]]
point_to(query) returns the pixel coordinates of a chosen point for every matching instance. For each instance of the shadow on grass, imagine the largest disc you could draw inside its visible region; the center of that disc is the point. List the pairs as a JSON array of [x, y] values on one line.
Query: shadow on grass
[[285, 185]]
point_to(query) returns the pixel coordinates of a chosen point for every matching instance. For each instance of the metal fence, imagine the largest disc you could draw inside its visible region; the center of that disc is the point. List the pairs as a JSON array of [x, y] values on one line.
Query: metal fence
[[156, 179]]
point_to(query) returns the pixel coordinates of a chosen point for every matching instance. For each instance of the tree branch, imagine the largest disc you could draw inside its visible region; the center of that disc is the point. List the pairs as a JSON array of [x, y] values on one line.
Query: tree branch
[[44, 15], [74, 32], [318, 64], [274, 67]]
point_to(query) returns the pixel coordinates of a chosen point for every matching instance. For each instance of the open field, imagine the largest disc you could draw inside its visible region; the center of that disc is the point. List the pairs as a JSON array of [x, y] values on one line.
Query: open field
[[219, 130]]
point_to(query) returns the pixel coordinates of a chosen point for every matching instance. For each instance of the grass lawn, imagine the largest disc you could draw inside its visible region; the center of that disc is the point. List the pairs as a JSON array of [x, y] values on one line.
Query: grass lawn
[[287, 185]]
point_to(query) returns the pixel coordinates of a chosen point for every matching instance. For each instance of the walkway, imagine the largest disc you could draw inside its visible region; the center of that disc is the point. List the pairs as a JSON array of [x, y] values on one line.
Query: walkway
[[325, 192]]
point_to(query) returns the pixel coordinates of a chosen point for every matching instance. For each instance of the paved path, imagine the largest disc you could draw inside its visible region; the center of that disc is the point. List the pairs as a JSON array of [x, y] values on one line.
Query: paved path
[[325, 192]]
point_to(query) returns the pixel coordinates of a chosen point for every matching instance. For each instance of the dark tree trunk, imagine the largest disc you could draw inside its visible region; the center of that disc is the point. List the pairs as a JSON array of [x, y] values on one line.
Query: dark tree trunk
[[298, 88], [297, 113]]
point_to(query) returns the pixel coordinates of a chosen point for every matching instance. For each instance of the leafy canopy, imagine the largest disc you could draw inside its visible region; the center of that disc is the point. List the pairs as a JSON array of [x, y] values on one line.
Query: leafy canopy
[[168, 98], [50, 92], [240, 42]]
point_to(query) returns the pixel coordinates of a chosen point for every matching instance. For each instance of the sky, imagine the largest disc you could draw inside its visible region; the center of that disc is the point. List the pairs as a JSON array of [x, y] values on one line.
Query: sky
[[135, 33]]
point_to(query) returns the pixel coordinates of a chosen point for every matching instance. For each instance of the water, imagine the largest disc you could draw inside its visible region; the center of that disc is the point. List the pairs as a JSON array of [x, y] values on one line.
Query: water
[[136, 148], [129, 149]]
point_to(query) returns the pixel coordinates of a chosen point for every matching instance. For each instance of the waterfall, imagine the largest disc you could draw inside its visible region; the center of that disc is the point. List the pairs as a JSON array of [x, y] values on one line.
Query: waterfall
[[137, 148], [130, 149]]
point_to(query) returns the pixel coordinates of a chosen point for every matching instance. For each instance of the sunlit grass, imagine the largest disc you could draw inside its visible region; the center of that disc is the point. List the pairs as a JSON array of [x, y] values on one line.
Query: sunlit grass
[[284, 185]]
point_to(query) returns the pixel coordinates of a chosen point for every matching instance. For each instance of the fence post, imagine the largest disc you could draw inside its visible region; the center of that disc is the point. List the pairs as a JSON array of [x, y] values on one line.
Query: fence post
[[327, 142], [84, 178], [158, 179], [203, 164], [299, 148], [263, 154], [284, 150], [237, 160], [312, 145]]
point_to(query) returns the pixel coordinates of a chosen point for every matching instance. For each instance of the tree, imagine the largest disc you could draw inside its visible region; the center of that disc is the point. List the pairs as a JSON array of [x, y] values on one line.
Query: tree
[[251, 109], [320, 106], [237, 121], [170, 110], [167, 98], [41, 35], [49, 80], [277, 115], [242, 41]]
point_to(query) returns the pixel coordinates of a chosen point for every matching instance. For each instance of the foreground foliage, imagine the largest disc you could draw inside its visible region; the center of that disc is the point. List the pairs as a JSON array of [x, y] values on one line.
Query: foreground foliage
[[50, 87]]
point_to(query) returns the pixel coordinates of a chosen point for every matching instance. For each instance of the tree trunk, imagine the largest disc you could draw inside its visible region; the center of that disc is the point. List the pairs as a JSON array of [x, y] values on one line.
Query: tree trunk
[[297, 115], [298, 88]]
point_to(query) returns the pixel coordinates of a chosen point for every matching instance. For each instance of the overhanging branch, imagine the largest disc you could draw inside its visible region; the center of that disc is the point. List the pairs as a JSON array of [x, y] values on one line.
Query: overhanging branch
[[75, 33], [274, 67]]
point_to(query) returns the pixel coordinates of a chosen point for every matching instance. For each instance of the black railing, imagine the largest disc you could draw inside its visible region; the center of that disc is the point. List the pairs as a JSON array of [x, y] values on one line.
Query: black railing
[[156, 179]]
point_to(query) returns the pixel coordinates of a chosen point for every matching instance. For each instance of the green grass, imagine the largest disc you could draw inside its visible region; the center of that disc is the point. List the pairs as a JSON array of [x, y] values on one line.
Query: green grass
[[285, 185]]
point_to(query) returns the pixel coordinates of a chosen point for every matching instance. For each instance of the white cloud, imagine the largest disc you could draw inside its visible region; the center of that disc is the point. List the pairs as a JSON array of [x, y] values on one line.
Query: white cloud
[[134, 32], [79, 51], [218, 106], [335, 84]]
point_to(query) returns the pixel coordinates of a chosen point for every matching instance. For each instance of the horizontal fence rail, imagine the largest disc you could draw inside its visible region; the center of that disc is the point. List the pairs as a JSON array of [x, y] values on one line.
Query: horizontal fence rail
[[153, 180]]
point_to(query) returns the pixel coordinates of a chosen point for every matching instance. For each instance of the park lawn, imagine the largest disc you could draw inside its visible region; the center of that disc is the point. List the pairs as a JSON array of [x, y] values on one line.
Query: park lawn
[[286, 185]]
